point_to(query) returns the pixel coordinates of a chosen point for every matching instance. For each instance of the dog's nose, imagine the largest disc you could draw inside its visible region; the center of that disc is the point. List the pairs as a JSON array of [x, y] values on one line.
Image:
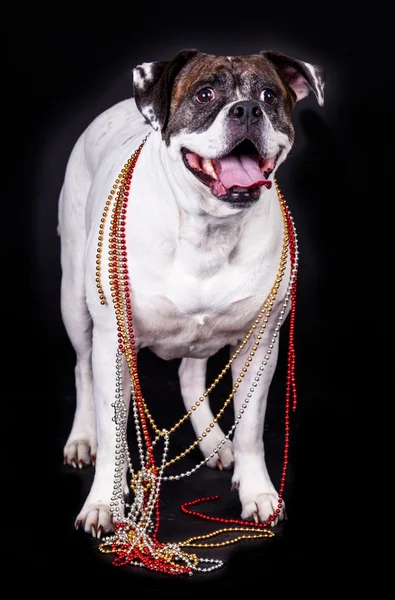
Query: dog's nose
[[245, 112]]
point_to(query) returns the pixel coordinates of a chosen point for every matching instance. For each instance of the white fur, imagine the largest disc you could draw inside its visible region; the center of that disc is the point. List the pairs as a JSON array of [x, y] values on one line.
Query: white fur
[[138, 79], [319, 85], [200, 271]]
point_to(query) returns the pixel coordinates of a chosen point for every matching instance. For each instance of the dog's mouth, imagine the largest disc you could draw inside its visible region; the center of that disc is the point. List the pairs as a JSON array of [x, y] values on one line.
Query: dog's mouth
[[237, 176]]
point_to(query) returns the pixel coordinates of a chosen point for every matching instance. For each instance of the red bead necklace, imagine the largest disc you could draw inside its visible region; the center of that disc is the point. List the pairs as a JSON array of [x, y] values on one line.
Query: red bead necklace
[[127, 542]]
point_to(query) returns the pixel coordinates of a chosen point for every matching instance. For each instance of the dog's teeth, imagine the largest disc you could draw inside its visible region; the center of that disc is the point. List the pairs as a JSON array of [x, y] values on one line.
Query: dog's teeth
[[208, 168]]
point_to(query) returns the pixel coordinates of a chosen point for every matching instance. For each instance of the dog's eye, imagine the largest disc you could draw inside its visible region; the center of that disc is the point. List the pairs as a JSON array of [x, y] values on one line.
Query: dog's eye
[[205, 95], [268, 96]]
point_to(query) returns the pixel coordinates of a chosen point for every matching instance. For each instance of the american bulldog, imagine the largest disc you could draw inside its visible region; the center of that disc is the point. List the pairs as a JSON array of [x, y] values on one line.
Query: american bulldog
[[205, 233]]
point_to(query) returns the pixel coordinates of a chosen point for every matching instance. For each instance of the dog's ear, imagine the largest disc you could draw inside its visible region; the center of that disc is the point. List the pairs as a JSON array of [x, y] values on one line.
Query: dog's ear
[[152, 87], [301, 77]]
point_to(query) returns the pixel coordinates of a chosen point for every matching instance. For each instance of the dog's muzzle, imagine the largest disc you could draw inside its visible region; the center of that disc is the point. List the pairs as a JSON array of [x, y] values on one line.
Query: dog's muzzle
[[240, 174]]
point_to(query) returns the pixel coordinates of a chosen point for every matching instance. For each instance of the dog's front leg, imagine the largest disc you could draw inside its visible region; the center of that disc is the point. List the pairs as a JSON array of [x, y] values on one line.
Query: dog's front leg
[[95, 516], [192, 376], [258, 496]]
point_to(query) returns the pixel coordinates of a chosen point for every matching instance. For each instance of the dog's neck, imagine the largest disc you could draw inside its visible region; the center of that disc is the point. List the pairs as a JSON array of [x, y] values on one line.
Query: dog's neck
[[205, 243]]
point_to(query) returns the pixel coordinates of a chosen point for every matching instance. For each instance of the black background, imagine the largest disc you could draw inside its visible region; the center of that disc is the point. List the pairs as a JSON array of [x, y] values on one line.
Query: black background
[[65, 65]]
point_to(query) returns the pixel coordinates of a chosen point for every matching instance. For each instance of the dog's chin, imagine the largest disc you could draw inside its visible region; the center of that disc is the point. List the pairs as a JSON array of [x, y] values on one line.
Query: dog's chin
[[239, 197], [236, 178]]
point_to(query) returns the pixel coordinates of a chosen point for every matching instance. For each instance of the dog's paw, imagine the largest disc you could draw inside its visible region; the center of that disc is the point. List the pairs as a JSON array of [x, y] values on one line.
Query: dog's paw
[[223, 459], [258, 497], [261, 506], [79, 452], [95, 519]]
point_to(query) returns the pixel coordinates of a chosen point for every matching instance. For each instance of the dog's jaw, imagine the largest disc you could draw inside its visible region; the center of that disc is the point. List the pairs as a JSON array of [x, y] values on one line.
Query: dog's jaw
[[198, 169], [236, 177]]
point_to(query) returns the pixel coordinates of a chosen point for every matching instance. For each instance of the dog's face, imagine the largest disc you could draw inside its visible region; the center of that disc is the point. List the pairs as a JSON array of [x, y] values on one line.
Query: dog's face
[[225, 120]]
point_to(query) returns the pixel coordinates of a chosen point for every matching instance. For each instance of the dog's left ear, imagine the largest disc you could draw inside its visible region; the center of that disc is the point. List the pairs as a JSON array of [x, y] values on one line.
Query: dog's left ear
[[152, 86], [301, 77]]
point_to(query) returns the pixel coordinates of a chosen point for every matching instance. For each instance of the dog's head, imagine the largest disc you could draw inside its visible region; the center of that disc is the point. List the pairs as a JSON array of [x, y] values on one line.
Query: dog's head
[[227, 120]]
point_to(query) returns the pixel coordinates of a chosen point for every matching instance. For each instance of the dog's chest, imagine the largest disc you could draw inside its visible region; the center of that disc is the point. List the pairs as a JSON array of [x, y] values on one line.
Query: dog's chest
[[193, 316]]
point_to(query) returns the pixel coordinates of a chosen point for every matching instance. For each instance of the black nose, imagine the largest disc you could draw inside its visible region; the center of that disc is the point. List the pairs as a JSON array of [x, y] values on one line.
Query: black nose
[[245, 112]]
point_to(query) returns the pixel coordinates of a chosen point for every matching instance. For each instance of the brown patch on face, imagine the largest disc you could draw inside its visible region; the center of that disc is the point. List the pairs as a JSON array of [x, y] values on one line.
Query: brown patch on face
[[203, 66], [257, 64], [197, 70]]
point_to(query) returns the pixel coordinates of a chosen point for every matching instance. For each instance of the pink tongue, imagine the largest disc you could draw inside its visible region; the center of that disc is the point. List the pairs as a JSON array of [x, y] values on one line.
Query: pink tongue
[[240, 171]]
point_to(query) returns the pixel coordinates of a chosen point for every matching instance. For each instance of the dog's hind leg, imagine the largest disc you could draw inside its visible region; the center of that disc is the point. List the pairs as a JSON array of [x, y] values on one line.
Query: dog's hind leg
[[192, 376], [80, 448]]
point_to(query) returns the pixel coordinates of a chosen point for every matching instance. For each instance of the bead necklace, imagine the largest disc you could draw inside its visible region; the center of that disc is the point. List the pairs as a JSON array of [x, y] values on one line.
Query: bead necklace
[[135, 539]]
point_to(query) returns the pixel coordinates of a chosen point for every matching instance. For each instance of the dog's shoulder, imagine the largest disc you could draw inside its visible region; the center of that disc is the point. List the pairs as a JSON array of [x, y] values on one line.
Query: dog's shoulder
[[110, 130]]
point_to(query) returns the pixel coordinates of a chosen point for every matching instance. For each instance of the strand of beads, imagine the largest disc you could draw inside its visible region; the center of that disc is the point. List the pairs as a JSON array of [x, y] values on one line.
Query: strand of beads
[[119, 273], [291, 381], [263, 533], [290, 295], [119, 283], [263, 316], [135, 540], [122, 301], [192, 542], [121, 446]]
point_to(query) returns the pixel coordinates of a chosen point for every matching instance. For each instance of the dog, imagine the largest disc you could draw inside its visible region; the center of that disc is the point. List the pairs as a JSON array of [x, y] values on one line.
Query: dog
[[205, 233]]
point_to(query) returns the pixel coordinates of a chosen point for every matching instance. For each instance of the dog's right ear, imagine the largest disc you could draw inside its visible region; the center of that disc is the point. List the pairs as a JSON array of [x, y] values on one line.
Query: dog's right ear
[[152, 86]]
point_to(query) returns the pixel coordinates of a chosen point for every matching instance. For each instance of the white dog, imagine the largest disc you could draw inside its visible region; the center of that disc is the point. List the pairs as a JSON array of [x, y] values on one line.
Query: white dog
[[204, 232]]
